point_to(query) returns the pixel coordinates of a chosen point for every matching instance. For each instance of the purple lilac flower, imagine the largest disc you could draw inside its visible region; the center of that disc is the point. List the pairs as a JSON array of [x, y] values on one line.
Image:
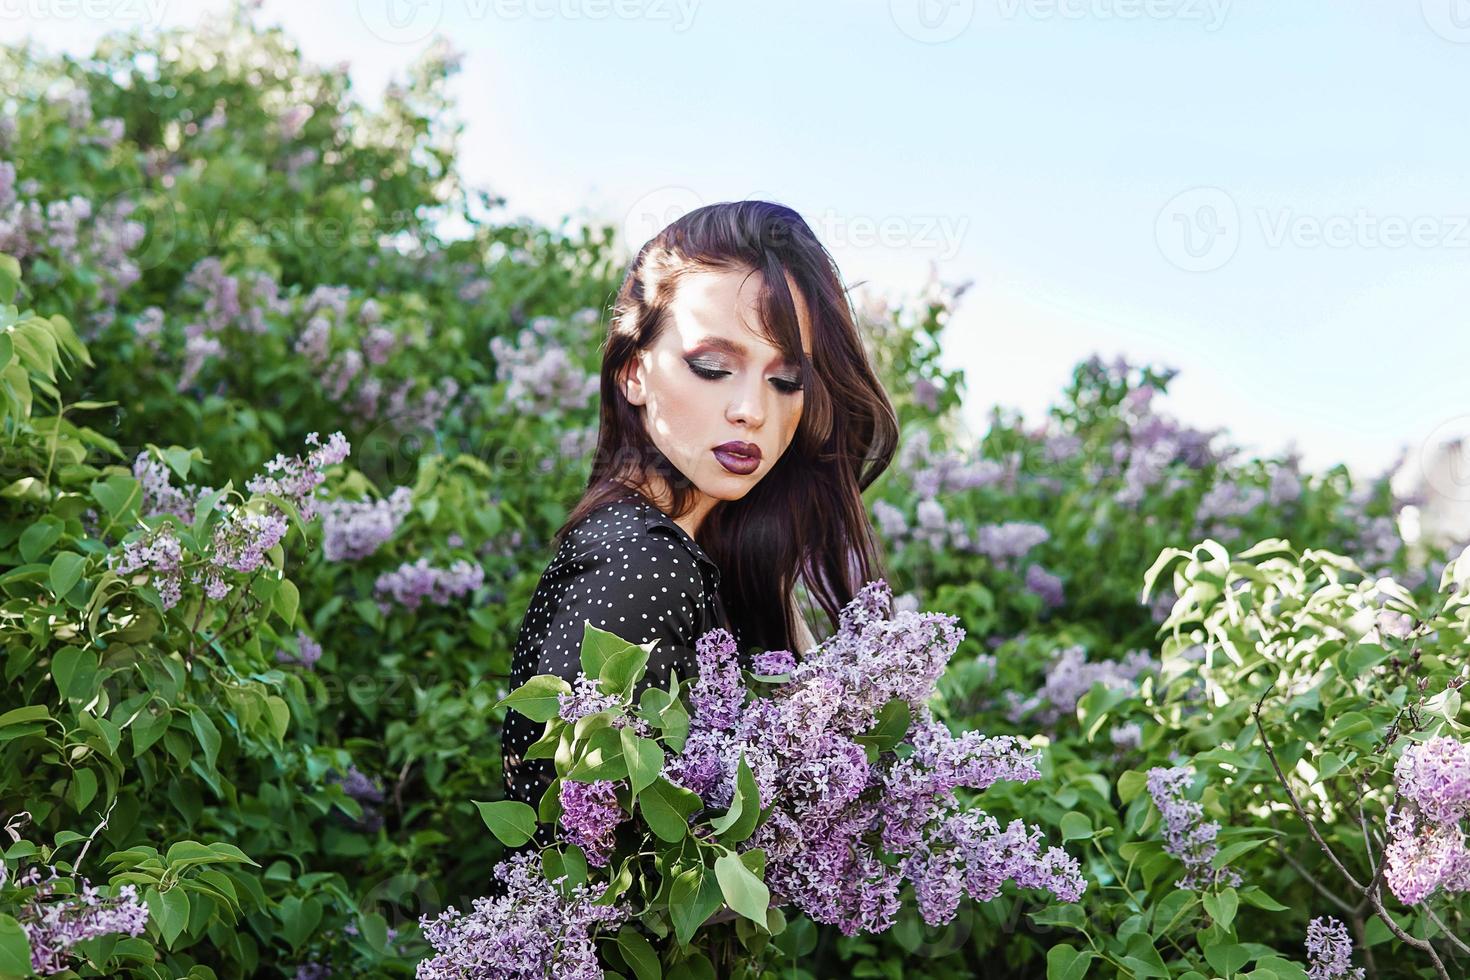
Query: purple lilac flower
[[890, 520], [772, 662], [590, 815], [412, 583], [827, 801], [160, 552], [310, 652], [1187, 835], [532, 931], [1011, 539], [55, 923], [540, 376], [355, 529], [1070, 676], [356, 784], [159, 496], [1426, 851], [586, 698], [1330, 951], [1042, 583], [299, 478]]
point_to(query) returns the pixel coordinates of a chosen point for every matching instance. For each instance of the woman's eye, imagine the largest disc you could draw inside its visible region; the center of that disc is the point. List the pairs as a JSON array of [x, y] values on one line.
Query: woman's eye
[[709, 373], [782, 385], [789, 387]]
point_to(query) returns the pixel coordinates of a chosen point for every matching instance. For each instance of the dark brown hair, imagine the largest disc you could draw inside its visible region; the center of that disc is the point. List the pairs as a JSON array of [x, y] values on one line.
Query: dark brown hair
[[806, 518]]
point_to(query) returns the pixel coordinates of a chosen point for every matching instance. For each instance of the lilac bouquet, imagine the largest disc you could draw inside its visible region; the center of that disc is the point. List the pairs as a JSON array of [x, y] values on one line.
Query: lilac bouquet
[[823, 785]]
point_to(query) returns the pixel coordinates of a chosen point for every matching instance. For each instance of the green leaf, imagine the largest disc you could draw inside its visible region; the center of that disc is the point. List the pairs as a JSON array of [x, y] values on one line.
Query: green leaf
[[39, 537], [1253, 895], [1076, 826], [597, 647], [9, 283], [511, 821], [1130, 784], [1227, 958], [117, 494], [15, 947], [172, 913], [537, 698], [743, 891], [694, 897], [644, 759], [66, 571], [31, 712], [622, 670], [74, 669], [1064, 962], [1222, 906], [286, 601], [600, 758], [739, 821], [639, 955], [666, 809]]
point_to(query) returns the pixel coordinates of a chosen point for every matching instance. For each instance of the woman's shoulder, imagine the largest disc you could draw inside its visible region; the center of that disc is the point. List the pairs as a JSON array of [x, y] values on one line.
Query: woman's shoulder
[[617, 520]]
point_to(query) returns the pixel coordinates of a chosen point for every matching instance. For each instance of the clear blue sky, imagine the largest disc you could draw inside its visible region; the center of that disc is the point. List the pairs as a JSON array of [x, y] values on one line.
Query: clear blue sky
[[1315, 290]]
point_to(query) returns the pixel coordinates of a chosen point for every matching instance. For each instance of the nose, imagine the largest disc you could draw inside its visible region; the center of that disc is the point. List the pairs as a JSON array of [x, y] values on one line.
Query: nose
[[748, 406]]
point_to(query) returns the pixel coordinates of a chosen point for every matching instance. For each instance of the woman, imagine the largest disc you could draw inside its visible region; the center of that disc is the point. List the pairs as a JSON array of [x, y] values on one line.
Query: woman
[[740, 422]]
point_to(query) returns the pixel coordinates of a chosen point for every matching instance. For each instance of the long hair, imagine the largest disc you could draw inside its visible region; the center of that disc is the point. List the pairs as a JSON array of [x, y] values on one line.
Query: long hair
[[805, 520]]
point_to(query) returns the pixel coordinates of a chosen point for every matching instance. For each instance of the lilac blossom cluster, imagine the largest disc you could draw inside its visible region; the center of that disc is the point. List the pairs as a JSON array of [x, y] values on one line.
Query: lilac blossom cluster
[[828, 802], [159, 495], [354, 529], [241, 541], [226, 301], [413, 583], [1153, 443], [1046, 586], [160, 553], [309, 651], [534, 930], [590, 814], [932, 472], [299, 478], [539, 374], [54, 923], [1070, 676], [1426, 850], [1187, 835], [1330, 951], [586, 698]]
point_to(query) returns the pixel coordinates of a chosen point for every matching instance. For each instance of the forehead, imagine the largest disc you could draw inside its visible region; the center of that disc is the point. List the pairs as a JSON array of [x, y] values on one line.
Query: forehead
[[723, 304]]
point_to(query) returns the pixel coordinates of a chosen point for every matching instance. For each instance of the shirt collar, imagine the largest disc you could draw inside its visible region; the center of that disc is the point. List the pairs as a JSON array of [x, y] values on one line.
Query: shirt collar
[[655, 518]]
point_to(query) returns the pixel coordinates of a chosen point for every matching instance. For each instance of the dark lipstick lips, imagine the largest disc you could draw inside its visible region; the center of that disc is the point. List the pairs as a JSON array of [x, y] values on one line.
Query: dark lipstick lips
[[740, 458], [740, 449]]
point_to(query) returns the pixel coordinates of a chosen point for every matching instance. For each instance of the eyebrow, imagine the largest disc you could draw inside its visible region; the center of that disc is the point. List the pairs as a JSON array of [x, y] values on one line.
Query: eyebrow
[[731, 347]]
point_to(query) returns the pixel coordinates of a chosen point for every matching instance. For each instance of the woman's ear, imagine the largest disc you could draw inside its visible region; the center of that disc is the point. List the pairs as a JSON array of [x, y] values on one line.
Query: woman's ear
[[632, 382]]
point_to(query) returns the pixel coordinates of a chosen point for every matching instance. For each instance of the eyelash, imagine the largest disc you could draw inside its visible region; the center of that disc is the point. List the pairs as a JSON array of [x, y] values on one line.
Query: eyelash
[[785, 387]]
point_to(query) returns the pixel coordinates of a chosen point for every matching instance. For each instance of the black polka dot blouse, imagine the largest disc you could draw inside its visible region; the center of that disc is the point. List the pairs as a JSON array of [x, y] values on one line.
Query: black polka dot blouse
[[626, 568]]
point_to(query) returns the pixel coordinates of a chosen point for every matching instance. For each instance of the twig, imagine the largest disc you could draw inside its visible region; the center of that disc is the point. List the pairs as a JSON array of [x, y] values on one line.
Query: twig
[[1371, 891], [1295, 803]]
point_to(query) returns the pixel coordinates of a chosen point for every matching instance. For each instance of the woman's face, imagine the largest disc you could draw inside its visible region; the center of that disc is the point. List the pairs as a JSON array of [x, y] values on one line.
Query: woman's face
[[710, 379]]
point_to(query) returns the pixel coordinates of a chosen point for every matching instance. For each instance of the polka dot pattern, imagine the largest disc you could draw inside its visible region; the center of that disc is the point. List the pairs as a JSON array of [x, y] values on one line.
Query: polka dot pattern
[[626, 568]]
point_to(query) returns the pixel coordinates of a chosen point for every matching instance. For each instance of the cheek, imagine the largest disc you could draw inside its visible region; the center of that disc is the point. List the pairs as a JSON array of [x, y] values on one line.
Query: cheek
[[684, 407]]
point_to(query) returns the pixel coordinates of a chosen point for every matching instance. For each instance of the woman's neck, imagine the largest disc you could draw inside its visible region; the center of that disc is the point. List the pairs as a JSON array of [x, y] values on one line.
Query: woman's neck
[[657, 491]]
